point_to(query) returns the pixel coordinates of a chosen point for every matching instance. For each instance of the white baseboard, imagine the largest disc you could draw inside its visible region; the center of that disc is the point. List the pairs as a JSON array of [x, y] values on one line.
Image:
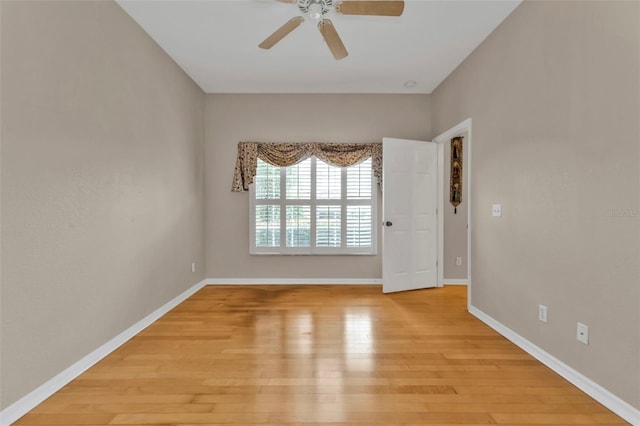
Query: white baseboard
[[462, 281], [44, 391], [293, 281], [591, 388]]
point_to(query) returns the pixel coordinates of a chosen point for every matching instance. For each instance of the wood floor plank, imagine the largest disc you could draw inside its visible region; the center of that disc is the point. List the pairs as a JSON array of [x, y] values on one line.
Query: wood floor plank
[[319, 355]]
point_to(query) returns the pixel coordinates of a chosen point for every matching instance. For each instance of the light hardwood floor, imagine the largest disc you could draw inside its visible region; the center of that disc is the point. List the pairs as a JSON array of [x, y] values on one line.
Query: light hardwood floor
[[310, 355]]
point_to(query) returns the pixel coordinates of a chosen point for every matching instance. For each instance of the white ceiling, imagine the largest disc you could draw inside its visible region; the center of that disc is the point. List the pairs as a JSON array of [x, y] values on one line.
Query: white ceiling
[[216, 43]]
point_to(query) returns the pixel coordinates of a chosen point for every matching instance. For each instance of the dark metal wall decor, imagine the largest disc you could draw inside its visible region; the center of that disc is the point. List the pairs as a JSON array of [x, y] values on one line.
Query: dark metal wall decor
[[455, 182]]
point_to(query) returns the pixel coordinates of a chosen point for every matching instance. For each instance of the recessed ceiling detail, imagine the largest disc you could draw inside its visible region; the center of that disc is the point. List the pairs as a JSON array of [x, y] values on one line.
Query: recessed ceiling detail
[[215, 42]]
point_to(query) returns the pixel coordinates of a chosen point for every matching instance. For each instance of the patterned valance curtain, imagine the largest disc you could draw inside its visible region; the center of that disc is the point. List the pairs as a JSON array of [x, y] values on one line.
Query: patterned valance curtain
[[288, 154]]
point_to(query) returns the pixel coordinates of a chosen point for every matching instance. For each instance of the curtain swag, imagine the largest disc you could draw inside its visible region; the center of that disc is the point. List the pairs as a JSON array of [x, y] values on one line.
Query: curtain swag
[[288, 154]]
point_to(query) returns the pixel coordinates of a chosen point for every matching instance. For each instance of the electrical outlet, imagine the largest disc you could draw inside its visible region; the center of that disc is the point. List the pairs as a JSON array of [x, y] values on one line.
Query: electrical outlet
[[193, 266], [542, 313], [458, 261], [496, 210], [582, 333]]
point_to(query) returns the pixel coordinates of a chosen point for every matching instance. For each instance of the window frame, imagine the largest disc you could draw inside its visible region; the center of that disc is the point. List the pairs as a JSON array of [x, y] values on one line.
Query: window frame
[[343, 202]]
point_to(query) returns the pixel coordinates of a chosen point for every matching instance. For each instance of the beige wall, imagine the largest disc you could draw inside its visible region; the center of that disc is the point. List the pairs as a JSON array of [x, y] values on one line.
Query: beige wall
[[321, 118], [554, 97], [102, 183]]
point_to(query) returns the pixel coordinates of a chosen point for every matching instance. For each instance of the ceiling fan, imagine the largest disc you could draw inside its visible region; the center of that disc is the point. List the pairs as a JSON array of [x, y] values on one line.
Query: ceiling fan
[[317, 9]]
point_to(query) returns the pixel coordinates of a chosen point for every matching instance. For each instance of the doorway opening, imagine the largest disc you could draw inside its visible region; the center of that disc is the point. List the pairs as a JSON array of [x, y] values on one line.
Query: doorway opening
[[455, 229]]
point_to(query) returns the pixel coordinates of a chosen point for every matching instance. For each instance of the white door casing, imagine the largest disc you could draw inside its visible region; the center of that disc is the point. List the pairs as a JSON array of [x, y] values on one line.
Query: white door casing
[[410, 231], [459, 129]]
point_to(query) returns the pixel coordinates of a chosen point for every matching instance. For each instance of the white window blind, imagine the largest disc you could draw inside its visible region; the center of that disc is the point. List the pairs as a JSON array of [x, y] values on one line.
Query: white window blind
[[299, 181], [323, 210], [298, 226], [328, 181], [328, 226], [268, 226], [359, 225], [359, 181], [267, 181]]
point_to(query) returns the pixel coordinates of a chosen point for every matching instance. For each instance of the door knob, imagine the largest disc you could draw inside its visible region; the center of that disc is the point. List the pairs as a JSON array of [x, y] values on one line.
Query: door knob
[[387, 223]]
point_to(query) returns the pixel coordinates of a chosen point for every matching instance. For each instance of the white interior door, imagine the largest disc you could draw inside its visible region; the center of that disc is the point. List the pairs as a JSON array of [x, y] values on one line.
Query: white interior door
[[410, 231]]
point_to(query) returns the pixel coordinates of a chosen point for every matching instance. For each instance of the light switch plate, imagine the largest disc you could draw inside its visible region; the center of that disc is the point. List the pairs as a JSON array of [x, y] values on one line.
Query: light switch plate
[[582, 333], [542, 313], [496, 210]]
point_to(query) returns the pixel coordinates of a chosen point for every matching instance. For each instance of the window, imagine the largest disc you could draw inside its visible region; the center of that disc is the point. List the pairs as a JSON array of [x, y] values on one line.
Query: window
[[313, 208]]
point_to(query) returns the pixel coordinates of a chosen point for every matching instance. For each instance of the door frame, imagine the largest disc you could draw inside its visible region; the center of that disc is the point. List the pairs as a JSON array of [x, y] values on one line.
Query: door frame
[[457, 130]]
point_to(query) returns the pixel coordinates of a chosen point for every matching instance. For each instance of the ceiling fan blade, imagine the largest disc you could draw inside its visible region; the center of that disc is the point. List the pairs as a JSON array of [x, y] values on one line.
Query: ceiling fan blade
[[281, 32], [370, 7], [332, 39], [287, 1]]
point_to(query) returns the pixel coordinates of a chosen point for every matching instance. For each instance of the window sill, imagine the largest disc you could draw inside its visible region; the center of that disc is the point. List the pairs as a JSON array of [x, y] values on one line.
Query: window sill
[[312, 254]]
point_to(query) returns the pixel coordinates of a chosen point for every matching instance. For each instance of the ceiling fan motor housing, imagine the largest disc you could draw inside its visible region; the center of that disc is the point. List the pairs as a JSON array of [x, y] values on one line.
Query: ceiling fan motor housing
[[306, 5]]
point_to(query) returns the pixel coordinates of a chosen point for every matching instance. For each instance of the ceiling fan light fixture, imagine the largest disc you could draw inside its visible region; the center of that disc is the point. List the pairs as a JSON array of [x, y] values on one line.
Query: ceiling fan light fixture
[[315, 11]]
